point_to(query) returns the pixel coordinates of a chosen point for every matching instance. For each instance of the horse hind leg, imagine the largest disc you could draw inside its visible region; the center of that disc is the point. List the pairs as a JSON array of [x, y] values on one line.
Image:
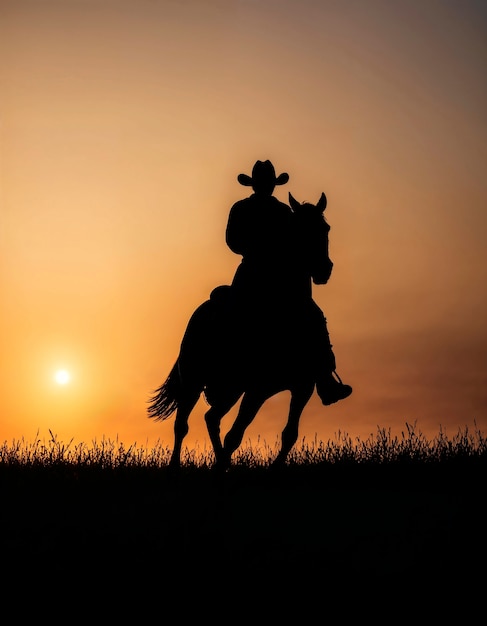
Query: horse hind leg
[[181, 427], [249, 408]]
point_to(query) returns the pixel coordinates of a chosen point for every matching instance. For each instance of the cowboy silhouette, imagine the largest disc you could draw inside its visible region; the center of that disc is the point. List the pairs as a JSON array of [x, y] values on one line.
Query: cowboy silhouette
[[259, 229]]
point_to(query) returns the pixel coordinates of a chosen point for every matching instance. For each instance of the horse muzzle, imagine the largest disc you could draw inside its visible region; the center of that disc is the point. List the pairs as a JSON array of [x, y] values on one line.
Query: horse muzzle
[[323, 275]]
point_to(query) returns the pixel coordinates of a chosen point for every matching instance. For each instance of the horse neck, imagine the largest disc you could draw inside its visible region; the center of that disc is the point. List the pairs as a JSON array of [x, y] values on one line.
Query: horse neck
[[298, 276], [310, 252]]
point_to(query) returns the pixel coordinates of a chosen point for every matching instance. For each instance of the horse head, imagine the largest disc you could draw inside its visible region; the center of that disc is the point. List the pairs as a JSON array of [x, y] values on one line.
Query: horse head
[[312, 232]]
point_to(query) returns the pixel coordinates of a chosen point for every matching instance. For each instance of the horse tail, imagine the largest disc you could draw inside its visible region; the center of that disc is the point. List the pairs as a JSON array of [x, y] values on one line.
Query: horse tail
[[165, 399]]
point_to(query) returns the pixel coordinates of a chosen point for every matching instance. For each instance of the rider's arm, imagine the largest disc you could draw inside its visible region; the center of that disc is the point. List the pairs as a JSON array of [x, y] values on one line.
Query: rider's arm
[[236, 235]]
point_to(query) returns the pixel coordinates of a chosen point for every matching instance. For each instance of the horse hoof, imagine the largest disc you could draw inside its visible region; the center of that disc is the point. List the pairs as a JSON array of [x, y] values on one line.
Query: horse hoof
[[173, 468], [222, 465], [278, 463], [221, 468]]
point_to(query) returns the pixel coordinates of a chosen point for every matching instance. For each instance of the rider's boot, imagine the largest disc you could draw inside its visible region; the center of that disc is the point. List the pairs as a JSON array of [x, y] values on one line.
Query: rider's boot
[[330, 388], [329, 385]]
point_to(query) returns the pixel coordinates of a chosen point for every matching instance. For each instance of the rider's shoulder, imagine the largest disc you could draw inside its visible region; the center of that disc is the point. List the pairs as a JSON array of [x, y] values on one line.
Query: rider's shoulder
[[244, 208], [258, 203], [240, 204]]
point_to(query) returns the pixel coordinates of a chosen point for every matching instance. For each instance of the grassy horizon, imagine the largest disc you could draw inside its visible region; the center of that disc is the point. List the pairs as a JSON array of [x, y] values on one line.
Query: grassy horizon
[[378, 449]]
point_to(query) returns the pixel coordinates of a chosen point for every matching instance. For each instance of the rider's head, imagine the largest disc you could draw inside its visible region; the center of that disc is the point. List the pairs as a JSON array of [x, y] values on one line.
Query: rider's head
[[263, 179]]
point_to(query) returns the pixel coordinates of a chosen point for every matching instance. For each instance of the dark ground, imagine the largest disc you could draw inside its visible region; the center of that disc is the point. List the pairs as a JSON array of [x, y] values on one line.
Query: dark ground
[[251, 544]]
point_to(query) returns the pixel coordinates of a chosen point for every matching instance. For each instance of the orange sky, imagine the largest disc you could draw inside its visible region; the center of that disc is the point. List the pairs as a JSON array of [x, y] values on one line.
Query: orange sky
[[123, 127]]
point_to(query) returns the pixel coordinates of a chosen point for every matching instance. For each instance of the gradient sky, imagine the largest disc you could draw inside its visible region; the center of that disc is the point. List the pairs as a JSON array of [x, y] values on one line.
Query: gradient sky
[[123, 127]]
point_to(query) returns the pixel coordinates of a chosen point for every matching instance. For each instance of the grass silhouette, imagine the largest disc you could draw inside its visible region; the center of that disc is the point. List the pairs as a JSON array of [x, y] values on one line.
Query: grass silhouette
[[382, 454], [379, 449]]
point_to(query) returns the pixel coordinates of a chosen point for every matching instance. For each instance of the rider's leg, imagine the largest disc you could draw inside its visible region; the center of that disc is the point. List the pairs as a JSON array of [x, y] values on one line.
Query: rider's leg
[[328, 384]]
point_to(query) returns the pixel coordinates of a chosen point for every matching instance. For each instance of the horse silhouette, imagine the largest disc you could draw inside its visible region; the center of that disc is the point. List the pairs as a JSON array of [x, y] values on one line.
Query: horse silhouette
[[234, 349]]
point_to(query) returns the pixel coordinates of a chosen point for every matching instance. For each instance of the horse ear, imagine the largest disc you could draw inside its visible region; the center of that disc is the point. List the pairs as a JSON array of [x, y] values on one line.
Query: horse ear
[[322, 203], [295, 206]]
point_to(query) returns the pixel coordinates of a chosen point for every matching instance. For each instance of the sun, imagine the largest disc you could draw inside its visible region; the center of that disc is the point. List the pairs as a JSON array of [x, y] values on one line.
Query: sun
[[62, 377]]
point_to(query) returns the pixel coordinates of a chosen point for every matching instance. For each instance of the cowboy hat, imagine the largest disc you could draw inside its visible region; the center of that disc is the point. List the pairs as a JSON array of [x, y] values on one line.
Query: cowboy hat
[[263, 174]]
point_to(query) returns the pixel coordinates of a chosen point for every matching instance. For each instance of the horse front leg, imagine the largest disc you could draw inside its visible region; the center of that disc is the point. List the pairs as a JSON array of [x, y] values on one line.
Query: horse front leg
[[290, 433], [220, 406]]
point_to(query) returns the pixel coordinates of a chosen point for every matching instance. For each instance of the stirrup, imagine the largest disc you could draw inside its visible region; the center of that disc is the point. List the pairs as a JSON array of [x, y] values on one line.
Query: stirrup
[[333, 393]]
